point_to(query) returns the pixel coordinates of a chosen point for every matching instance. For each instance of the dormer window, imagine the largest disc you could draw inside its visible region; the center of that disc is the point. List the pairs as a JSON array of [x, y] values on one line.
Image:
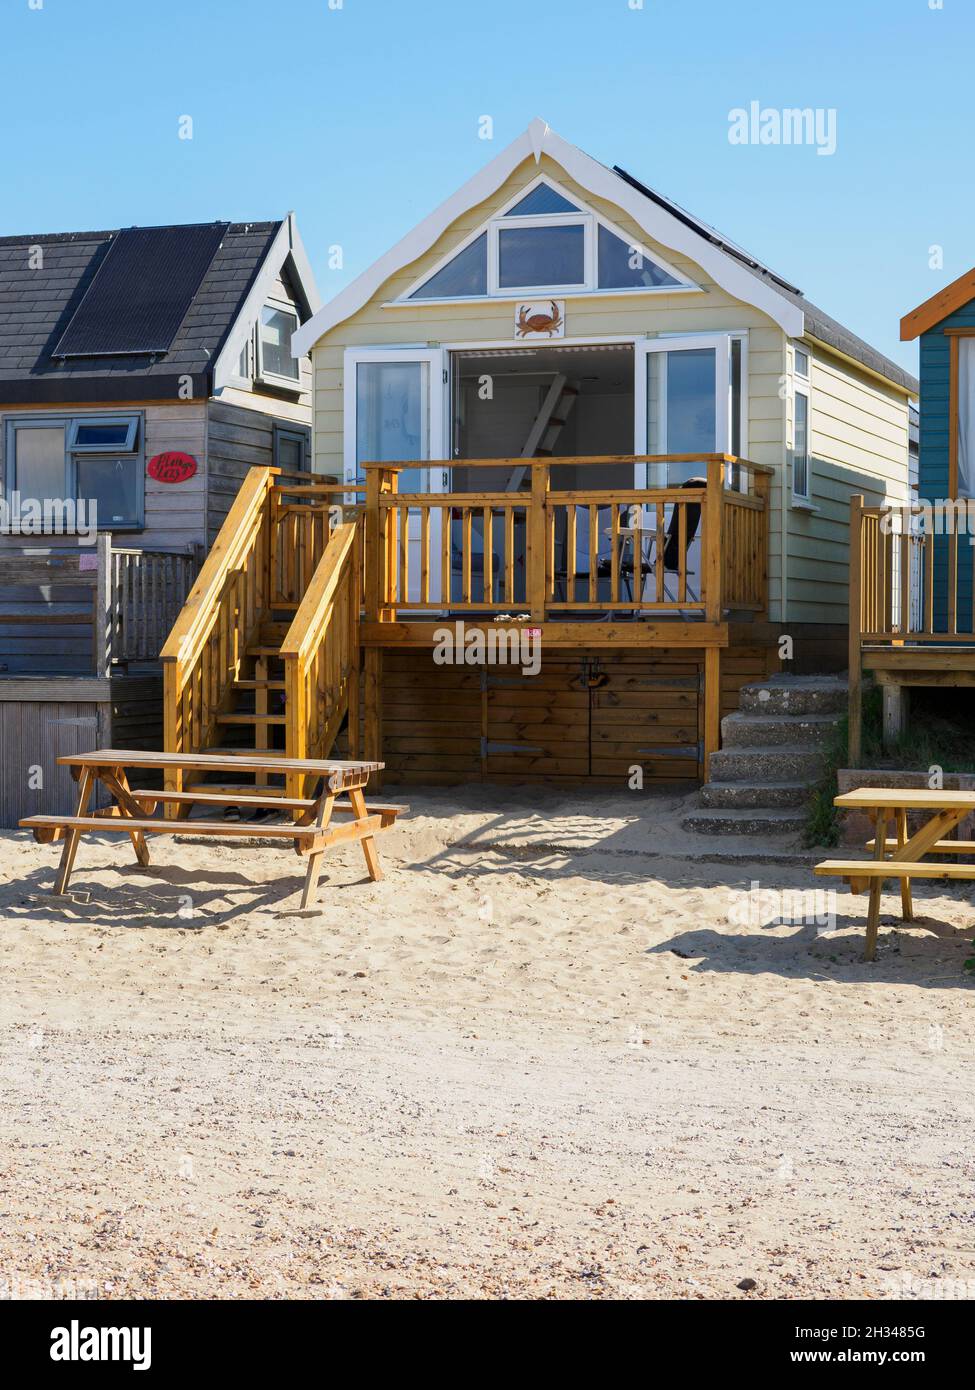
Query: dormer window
[[544, 242], [275, 364]]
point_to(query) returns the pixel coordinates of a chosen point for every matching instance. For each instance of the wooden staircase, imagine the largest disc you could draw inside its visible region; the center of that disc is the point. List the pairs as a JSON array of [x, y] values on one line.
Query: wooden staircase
[[264, 657]]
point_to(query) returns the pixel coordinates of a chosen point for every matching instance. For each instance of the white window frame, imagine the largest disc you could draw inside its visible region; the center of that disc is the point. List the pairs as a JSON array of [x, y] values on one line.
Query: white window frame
[[586, 216], [801, 388], [721, 343], [289, 383], [81, 421], [136, 453]]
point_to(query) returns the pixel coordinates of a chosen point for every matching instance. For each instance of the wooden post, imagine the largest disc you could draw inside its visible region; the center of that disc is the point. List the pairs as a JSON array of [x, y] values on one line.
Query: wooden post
[[712, 542], [373, 729], [712, 706], [537, 576], [854, 659], [762, 485], [103, 618]]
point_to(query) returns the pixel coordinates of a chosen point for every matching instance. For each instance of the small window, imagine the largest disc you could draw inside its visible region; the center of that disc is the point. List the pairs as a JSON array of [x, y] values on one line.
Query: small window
[[623, 267], [550, 256], [89, 459], [802, 363], [274, 343], [244, 362], [466, 274], [292, 448], [542, 201], [800, 447], [95, 436]]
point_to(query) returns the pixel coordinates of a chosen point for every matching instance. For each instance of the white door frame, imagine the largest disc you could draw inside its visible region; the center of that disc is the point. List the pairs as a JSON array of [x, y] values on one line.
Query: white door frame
[[433, 447], [721, 343]]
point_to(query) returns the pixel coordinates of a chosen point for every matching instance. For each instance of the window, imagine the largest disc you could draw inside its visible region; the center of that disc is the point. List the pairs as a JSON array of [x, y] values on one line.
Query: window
[[292, 448], [550, 255], [465, 275], [800, 446], [95, 460], [275, 329], [626, 267], [802, 363], [546, 243]]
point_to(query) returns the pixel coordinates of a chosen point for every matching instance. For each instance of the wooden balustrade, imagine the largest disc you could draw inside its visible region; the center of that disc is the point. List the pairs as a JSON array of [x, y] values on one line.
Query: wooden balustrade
[[146, 590], [321, 654], [222, 615], [695, 549], [908, 584]]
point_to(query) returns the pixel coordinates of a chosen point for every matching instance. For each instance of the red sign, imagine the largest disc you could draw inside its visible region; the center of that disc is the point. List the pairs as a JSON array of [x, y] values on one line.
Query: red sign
[[171, 467]]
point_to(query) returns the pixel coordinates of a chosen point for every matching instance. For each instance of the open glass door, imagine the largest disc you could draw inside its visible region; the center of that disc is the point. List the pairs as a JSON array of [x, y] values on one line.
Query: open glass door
[[395, 406], [683, 406]]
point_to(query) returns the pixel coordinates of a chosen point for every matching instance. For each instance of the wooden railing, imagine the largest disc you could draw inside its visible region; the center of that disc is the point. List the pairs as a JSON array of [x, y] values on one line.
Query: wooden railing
[[908, 584], [698, 549], [304, 517], [321, 653], [146, 590], [221, 617]]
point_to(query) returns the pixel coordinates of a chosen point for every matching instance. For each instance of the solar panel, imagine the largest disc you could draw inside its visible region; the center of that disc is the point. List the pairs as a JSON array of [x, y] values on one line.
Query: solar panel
[[141, 291]]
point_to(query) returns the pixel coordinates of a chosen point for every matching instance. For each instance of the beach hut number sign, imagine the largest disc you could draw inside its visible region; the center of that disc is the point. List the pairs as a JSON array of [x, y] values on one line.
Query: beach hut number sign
[[171, 467]]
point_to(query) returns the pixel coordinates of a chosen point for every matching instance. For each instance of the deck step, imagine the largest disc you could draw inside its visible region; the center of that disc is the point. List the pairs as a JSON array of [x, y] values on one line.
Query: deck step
[[734, 821], [243, 718], [263, 651], [796, 695], [259, 685], [274, 632], [747, 796], [783, 763], [745, 729]]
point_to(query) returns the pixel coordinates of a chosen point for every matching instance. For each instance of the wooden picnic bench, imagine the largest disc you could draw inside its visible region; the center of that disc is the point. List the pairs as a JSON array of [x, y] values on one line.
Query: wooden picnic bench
[[311, 831], [907, 852]]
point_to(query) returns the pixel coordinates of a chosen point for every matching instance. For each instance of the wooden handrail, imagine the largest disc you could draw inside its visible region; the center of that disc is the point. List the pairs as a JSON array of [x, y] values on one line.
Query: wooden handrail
[[203, 654], [569, 460], [320, 653], [234, 539]]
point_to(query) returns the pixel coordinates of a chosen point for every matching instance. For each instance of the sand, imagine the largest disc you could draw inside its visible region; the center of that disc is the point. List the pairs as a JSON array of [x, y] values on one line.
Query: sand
[[550, 1055]]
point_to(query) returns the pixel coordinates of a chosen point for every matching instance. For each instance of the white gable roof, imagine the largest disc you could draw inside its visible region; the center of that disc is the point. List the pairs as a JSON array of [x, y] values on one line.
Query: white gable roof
[[659, 224]]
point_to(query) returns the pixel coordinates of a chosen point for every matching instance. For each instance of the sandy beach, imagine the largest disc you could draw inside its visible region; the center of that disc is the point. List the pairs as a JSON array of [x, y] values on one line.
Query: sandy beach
[[558, 1052]]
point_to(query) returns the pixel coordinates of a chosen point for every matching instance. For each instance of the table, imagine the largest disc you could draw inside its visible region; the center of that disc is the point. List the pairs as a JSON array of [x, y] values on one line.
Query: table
[[908, 853], [131, 813]]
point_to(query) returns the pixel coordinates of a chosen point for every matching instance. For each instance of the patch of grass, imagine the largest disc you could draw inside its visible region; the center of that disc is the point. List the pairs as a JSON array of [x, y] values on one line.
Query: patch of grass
[[822, 822]]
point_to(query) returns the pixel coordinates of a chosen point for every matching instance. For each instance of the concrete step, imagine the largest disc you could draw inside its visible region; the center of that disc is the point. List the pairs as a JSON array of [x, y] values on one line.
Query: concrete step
[[748, 796], [796, 695], [784, 763], [734, 822], [747, 730]]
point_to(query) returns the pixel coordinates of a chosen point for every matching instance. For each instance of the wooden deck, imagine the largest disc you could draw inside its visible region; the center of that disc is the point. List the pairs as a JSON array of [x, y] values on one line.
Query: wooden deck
[[310, 585]]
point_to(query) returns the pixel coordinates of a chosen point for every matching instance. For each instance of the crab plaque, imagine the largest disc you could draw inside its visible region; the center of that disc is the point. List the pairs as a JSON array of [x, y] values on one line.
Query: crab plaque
[[540, 318]]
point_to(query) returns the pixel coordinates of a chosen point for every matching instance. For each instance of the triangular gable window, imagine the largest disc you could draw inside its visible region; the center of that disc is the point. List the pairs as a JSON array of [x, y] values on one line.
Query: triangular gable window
[[542, 201], [544, 243], [463, 277], [624, 267]]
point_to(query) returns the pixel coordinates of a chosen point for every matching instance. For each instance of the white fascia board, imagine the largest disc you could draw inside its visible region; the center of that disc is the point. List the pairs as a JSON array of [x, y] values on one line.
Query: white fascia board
[[595, 178], [287, 243]]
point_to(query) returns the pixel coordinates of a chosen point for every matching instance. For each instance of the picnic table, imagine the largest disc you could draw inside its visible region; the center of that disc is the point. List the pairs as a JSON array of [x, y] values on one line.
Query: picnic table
[[907, 853], [131, 813]]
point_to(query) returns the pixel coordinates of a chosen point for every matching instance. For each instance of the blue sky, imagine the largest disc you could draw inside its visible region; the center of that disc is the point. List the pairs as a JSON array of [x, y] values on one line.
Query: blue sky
[[362, 118]]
